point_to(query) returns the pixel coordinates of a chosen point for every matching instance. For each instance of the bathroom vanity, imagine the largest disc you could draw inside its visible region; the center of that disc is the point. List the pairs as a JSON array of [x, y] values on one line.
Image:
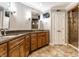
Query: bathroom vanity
[[22, 45]]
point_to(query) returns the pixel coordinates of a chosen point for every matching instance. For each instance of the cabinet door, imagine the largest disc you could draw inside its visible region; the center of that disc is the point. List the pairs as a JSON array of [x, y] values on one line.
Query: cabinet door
[[22, 49], [27, 49], [4, 55], [47, 38], [14, 52], [39, 41], [33, 41], [16, 47], [3, 50], [43, 38]]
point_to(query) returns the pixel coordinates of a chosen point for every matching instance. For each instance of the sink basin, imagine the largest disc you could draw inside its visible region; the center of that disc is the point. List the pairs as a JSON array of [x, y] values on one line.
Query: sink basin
[[3, 38], [10, 36], [14, 34], [6, 37]]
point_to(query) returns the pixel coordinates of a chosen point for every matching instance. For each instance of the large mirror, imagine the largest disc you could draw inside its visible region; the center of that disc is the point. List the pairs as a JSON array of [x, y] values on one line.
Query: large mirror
[[4, 15], [35, 20], [1, 17]]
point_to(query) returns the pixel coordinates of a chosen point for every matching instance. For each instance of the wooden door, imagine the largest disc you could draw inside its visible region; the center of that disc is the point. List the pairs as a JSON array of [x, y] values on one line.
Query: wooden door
[[58, 28]]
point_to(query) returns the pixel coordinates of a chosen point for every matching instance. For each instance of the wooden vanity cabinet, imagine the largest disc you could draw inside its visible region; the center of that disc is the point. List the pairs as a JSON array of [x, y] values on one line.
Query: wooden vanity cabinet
[[33, 41], [17, 47], [27, 45], [3, 50], [23, 45]]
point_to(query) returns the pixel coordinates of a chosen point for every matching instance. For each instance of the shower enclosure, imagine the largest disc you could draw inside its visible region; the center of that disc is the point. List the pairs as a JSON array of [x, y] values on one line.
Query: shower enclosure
[[73, 26]]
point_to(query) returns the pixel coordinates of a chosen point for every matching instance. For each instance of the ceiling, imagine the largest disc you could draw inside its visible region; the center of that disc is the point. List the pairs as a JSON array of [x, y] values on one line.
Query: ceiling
[[44, 6]]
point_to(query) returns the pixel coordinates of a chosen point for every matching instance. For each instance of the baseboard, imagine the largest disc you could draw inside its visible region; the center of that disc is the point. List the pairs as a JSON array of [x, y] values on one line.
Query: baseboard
[[65, 44], [57, 44], [74, 47]]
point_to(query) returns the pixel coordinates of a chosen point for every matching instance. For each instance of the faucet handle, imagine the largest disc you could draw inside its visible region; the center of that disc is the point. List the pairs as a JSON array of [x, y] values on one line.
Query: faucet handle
[[1, 29]]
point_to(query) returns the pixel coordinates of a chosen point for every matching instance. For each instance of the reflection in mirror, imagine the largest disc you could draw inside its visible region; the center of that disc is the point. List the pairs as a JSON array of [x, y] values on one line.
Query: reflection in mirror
[[6, 16], [1, 13]]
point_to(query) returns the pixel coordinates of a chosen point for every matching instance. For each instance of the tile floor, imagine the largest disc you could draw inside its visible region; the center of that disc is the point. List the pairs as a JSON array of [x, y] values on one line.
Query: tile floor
[[55, 51]]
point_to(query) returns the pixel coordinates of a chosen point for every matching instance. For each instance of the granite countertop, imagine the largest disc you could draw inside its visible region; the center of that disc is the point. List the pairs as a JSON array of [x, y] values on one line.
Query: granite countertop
[[4, 39]]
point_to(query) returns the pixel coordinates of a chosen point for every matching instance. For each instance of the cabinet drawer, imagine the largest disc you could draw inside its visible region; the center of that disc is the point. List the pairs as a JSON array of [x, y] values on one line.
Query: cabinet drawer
[[15, 42], [3, 49], [41, 34]]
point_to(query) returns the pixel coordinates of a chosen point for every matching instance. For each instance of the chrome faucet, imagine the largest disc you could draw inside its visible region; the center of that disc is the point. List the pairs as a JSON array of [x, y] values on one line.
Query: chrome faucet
[[4, 32]]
